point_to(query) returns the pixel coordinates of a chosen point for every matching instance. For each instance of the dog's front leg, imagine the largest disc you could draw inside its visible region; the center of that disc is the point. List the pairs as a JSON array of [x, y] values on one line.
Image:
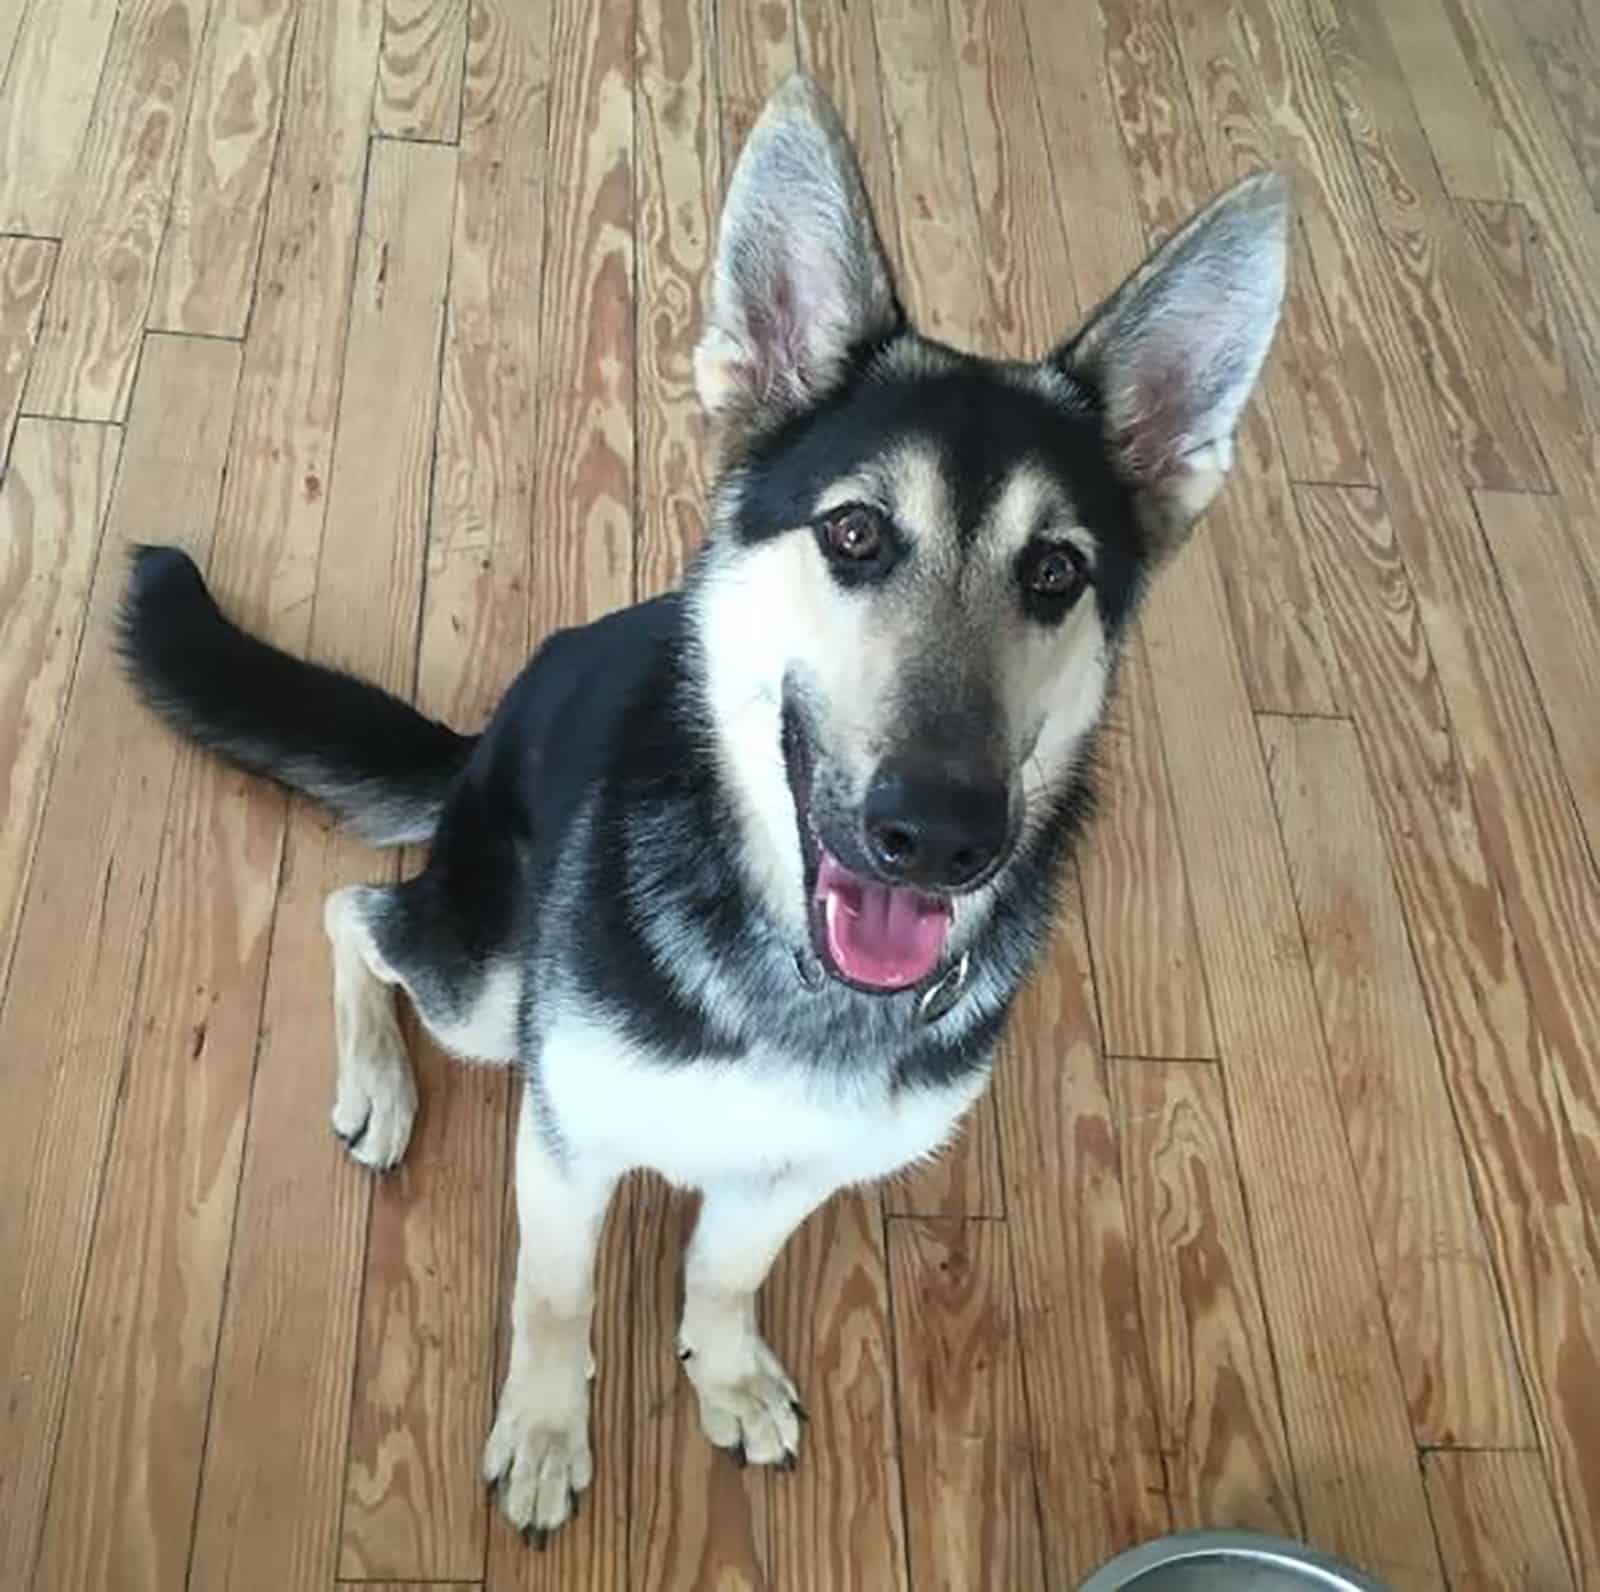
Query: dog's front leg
[[538, 1451], [747, 1402]]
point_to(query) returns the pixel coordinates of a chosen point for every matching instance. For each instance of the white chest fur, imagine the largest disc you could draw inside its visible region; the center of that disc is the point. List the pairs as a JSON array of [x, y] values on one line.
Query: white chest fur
[[698, 1123]]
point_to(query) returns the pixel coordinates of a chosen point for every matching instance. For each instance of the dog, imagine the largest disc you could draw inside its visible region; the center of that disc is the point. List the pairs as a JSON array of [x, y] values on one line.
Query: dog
[[744, 878]]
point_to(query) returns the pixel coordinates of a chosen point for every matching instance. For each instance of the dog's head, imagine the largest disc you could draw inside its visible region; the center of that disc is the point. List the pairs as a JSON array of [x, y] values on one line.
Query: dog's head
[[920, 560]]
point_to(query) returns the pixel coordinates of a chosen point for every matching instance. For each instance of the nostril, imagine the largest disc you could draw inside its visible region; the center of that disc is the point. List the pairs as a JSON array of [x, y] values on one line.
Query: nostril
[[966, 863], [896, 844]]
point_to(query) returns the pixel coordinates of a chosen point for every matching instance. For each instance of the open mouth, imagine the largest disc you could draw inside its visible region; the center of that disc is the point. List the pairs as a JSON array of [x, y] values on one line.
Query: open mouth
[[874, 936]]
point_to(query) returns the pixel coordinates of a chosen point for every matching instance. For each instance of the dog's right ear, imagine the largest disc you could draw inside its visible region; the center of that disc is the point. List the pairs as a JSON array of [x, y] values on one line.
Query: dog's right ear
[[800, 279]]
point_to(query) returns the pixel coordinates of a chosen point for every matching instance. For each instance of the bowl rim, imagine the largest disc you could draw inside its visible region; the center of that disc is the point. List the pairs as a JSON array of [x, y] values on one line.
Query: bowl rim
[[1330, 1574]]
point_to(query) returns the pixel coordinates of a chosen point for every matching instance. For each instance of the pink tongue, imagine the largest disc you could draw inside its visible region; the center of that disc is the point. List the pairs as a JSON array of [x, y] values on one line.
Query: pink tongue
[[883, 936]]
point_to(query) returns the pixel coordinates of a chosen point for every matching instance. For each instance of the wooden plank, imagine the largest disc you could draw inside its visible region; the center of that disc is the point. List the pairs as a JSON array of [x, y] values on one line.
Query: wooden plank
[[120, 190], [1562, 396], [68, 1019], [837, 1522], [1215, 1389], [838, 46], [696, 1519], [128, 1460], [269, 1503], [1343, 1401], [420, 74], [413, 1501], [1097, 1452], [969, 1496], [1439, 1292], [51, 508], [1496, 1522], [1282, 643], [1447, 301], [1557, 610], [1541, 168], [1318, 421], [206, 276], [582, 566], [679, 185], [1148, 974], [1534, 840], [1022, 242], [756, 51], [936, 216], [1462, 129], [1563, 48], [1536, 844], [1485, 1019], [46, 101], [12, 15], [25, 267]]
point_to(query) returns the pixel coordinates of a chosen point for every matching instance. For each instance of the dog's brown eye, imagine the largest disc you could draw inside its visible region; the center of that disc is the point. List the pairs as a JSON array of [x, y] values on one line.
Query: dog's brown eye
[[853, 533], [1057, 573]]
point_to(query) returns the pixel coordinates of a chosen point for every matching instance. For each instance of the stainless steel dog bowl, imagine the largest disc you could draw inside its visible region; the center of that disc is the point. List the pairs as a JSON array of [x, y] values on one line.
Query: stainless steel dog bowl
[[1226, 1561]]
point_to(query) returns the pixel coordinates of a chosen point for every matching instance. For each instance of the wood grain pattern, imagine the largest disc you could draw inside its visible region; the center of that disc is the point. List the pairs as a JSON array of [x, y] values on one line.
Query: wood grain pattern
[[1562, 396], [1147, 968], [420, 72], [678, 188], [1530, 830], [268, 1511], [1444, 1314], [1462, 129], [46, 101], [1540, 165], [1497, 1530], [1097, 1454], [95, 317], [1282, 645], [430, 1300], [1445, 296], [838, 1520], [695, 1517], [1318, 422], [1343, 1402], [67, 1021], [970, 1515], [25, 267], [1557, 611], [1216, 1394], [1485, 1018], [52, 505], [128, 1457], [838, 46], [206, 276], [756, 50]]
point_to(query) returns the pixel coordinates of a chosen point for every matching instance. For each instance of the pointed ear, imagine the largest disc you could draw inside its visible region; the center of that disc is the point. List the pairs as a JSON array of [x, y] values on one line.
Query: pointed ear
[[800, 278], [1176, 350]]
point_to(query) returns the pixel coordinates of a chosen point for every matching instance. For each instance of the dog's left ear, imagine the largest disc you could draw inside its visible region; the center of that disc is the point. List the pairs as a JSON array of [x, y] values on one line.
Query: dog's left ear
[[800, 279], [1175, 351]]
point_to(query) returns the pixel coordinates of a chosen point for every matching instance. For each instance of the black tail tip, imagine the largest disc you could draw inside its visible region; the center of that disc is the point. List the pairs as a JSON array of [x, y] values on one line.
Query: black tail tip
[[162, 574]]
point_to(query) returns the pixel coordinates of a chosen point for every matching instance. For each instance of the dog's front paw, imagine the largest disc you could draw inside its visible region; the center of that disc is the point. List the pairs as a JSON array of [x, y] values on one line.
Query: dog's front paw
[[538, 1452], [748, 1404], [376, 1104]]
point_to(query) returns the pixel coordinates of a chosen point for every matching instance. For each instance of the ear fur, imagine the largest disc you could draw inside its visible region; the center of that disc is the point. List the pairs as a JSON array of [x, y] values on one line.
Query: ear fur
[[800, 278], [1176, 350]]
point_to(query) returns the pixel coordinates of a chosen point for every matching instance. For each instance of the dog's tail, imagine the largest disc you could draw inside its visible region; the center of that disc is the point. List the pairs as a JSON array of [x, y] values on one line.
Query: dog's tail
[[382, 767]]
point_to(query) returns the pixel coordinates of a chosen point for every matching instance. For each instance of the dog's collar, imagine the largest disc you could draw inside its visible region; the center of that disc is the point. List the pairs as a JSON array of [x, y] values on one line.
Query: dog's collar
[[937, 998]]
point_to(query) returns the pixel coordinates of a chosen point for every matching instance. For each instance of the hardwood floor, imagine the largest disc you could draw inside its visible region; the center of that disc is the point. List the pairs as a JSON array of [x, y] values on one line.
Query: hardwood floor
[[1285, 1209]]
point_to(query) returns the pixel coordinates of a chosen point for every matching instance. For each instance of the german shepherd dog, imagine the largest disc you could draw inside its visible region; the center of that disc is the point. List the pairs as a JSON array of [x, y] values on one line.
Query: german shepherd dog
[[744, 878]]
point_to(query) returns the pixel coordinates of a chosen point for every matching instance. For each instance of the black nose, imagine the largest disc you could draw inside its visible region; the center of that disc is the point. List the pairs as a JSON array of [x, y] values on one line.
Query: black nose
[[931, 830]]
